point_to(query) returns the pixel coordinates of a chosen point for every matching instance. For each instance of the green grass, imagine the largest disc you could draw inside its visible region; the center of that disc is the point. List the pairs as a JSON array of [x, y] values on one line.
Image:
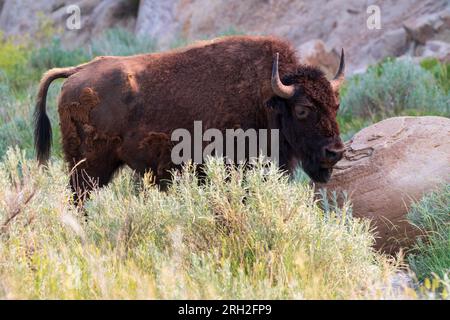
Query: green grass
[[431, 254], [16, 117]]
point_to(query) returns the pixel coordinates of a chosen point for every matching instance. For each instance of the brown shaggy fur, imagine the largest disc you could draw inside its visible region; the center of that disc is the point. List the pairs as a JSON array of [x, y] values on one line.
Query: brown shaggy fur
[[122, 110]]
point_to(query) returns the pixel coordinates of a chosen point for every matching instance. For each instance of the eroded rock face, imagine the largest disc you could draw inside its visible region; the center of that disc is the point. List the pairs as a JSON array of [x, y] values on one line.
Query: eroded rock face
[[407, 27], [389, 165], [339, 24], [21, 17], [437, 49]]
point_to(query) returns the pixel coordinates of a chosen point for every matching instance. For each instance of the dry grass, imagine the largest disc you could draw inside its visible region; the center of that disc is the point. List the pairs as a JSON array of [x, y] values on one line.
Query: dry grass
[[256, 236]]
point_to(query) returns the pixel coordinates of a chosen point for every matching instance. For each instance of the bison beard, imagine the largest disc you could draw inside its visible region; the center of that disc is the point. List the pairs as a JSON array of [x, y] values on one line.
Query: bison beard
[[315, 172], [118, 111]]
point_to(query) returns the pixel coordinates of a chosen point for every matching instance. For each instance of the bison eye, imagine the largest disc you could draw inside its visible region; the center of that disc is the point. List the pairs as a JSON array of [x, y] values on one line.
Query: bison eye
[[301, 112]]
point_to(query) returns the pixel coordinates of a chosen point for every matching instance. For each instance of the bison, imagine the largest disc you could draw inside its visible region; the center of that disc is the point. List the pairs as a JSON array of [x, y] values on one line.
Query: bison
[[122, 110]]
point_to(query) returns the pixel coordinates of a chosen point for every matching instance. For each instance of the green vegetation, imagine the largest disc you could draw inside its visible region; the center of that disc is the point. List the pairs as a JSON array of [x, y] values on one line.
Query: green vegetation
[[53, 55], [430, 257], [13, 57], [440, 71], [256, 236], [119, 42], [432, 252]]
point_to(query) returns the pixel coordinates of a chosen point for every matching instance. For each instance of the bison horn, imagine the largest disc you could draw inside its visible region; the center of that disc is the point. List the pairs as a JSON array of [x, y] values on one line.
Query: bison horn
[[339, 77], [278, 87]]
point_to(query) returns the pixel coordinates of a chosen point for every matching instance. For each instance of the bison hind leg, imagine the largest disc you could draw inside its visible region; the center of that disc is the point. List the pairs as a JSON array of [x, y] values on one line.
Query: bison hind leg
[[90, 173]]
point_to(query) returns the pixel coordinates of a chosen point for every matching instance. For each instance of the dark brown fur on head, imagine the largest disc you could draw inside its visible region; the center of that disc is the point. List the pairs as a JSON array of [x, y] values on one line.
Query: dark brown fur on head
[[308, 137]]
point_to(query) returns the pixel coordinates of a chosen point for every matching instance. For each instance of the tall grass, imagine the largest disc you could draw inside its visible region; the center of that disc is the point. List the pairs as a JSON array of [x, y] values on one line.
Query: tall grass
[[431, 254], [16, 117], [256, 236], [21, 67]]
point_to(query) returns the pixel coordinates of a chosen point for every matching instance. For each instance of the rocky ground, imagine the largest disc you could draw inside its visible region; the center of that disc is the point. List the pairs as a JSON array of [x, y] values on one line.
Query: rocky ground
[[318, 29]]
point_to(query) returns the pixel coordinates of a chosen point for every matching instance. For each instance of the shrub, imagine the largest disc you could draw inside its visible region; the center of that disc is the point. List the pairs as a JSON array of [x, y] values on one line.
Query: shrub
[[13, 58], [394, 87], [53, 55], [120, 42]]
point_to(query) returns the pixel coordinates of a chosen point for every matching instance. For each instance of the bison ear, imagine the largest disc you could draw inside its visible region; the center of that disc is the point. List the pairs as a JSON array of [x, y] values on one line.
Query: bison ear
[[276, 104]]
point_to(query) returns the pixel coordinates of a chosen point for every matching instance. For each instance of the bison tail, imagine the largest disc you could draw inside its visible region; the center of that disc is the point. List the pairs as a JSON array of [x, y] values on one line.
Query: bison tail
[[42, 127]]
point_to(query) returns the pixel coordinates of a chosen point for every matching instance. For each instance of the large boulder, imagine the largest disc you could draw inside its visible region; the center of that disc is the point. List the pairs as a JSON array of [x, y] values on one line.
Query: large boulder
[[389, 165]]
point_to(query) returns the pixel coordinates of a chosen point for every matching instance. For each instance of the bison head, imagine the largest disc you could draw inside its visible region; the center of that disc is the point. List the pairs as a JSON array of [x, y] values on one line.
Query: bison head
[[307, 104]]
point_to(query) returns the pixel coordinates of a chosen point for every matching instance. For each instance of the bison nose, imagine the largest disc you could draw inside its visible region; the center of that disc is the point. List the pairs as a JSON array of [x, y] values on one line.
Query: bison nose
[[333, 155]]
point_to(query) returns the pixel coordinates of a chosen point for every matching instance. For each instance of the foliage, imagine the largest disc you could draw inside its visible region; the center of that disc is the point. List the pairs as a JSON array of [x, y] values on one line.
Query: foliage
[[16, 118], [54, 55], [394, 87], [439, 70], [256, 236], [431, 255], [120, 42]]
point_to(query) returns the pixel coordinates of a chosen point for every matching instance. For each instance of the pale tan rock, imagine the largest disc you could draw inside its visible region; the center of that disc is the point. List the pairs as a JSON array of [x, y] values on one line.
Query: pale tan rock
[[18, 18], [389, 165], [437, 49], [339, 24], [315, 52]]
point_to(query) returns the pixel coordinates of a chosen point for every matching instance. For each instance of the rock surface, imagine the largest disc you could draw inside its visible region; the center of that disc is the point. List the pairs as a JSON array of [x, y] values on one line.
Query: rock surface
[[338, 24], [389, 165], [436, 49], [315, 52], [406, 26], [20, 17]]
